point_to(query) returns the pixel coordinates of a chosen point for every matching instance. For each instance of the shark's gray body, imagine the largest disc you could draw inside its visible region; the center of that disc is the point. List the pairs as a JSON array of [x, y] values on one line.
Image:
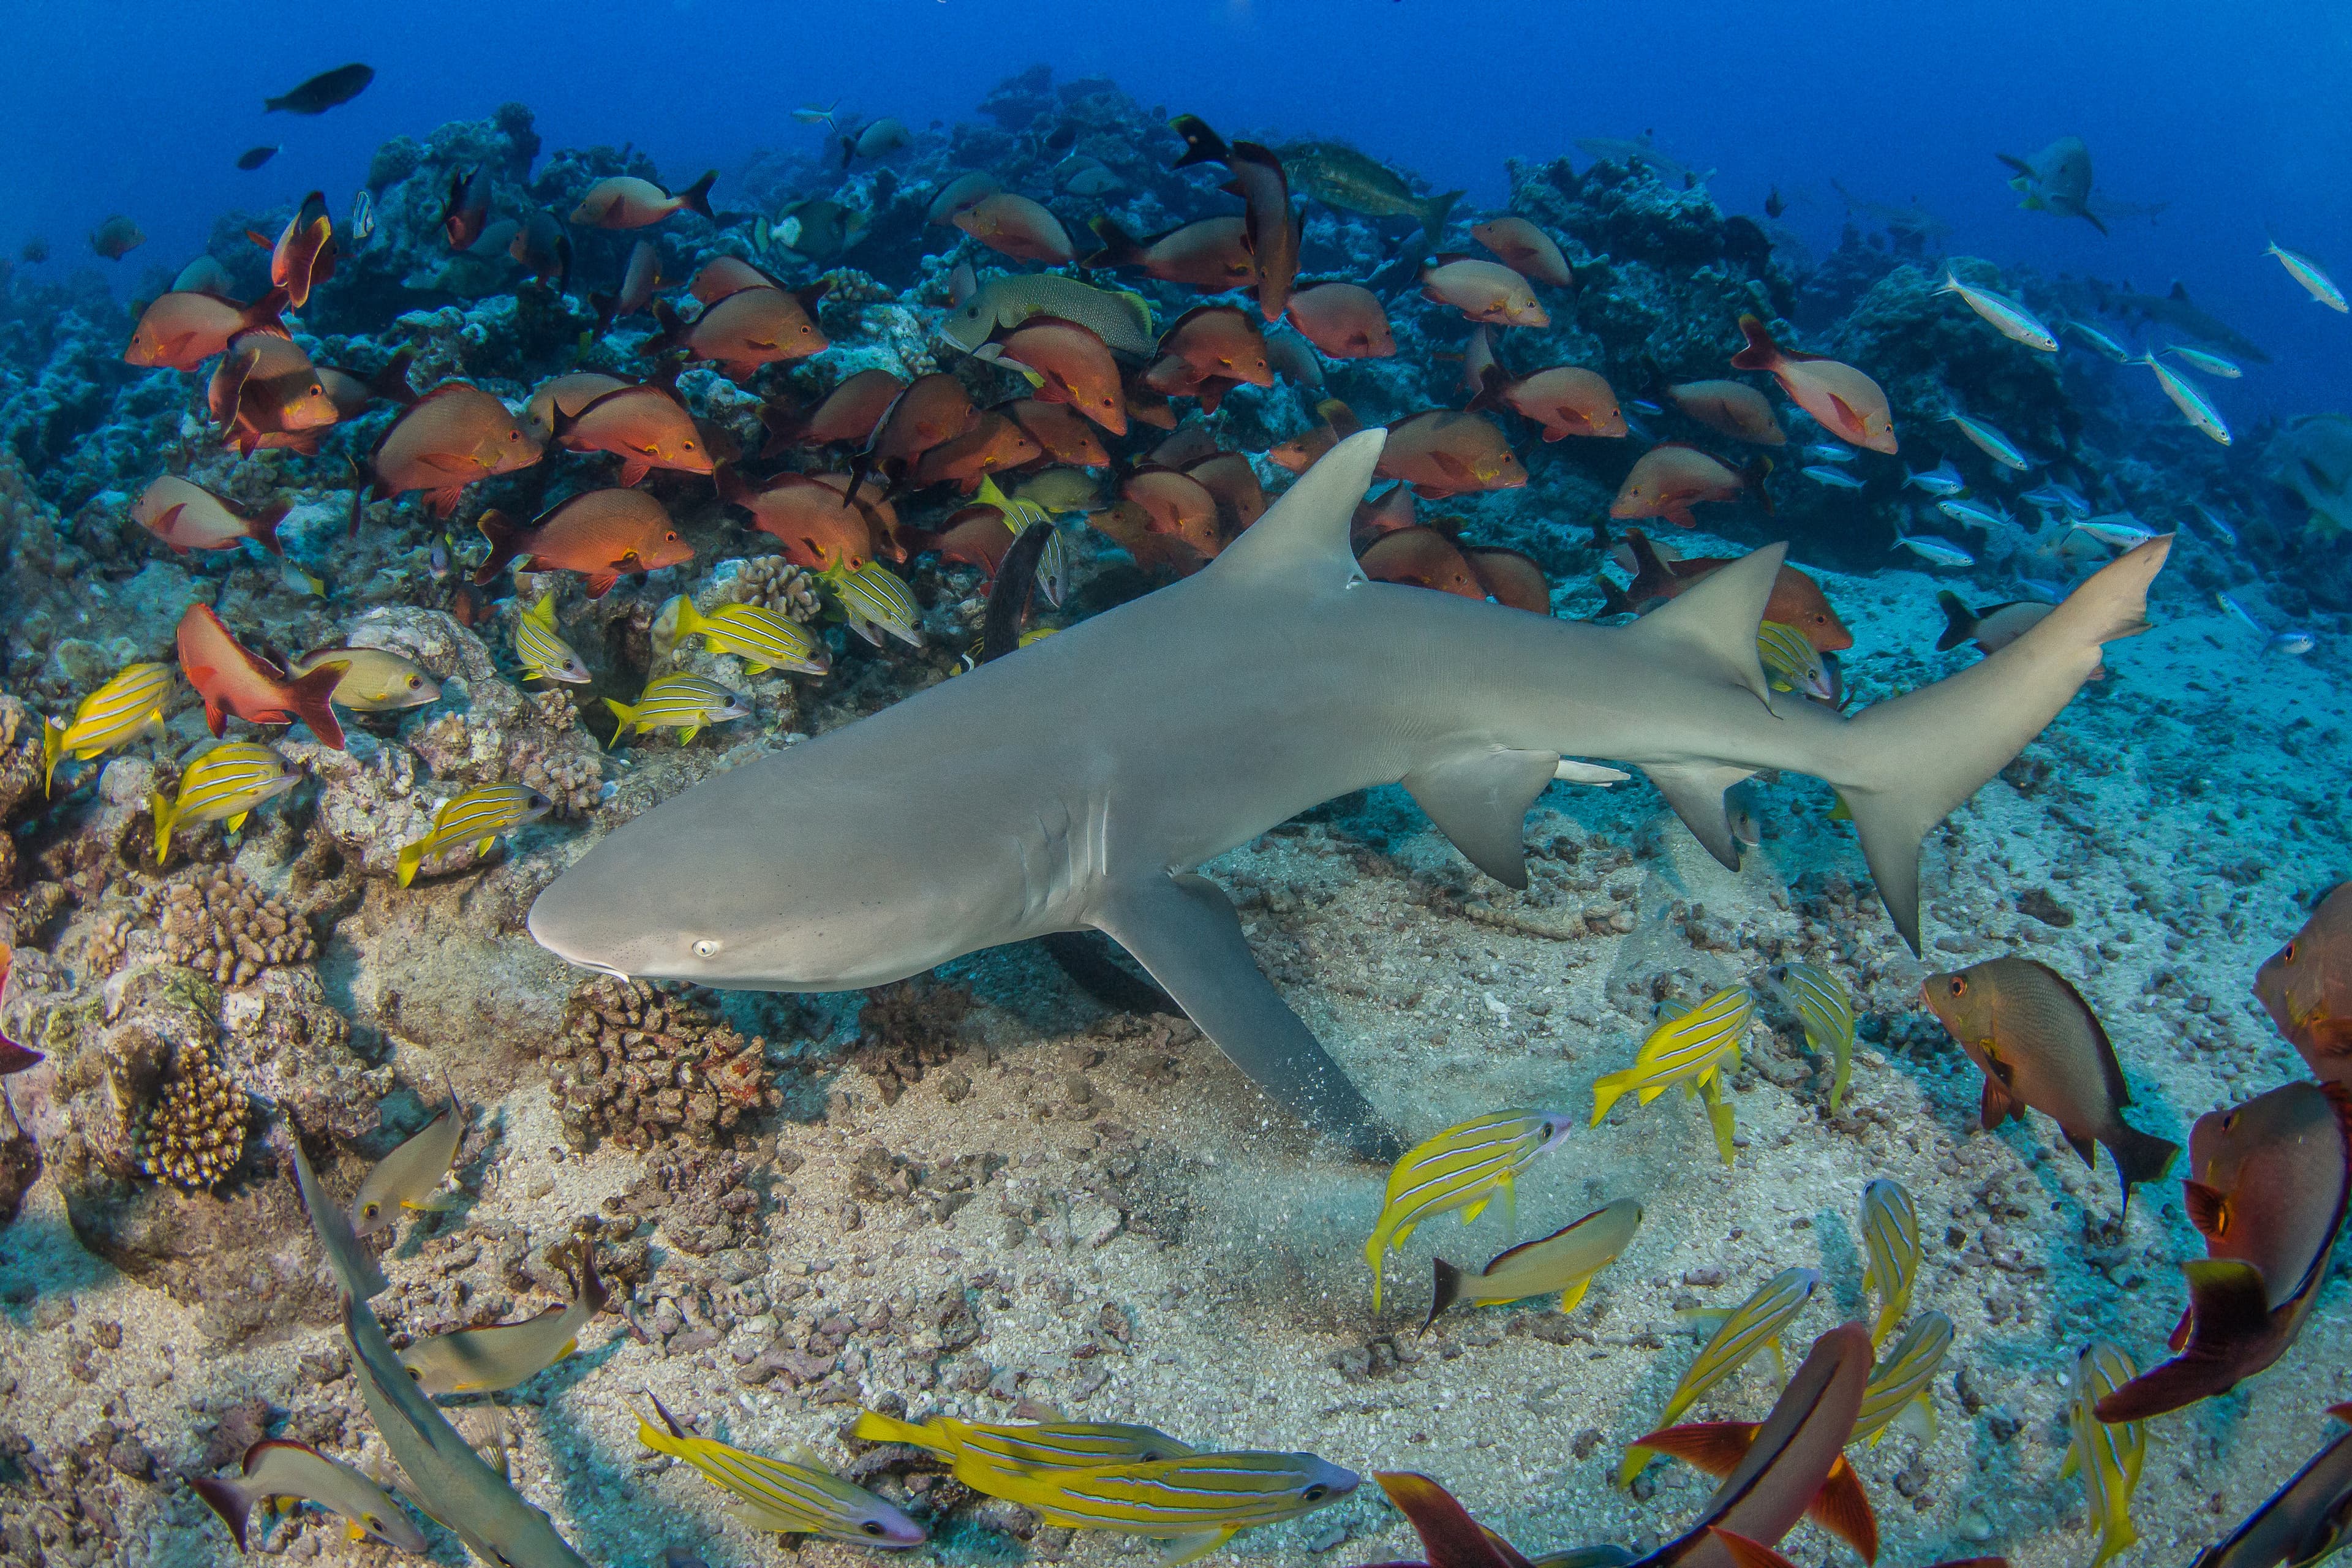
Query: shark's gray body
[[1076, 784]]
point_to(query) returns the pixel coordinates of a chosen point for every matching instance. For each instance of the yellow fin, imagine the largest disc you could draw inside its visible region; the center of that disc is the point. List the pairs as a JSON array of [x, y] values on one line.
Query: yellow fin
[[1574, 1293]]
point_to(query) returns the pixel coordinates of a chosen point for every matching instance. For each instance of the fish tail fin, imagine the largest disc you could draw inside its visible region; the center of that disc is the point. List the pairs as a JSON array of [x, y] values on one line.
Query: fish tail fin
[[1652, 578], [1745, 1552], [733, 489], [1756, 473], [1436, 210], [166, 815], [505, 536], [53, 735], [1119, 249], [261, 316], [696, 197], [308, 696], [391, 382], [1960, 621], [1615, 600], [1202, 146], [623, 713], [1906, 762], [2020, 164], [875, 1427], [265, 526], [1761, 353], [2141, 1157], [1444, 1293], [411, 855], [669, 328], [1609, 1088], [2228, 1311], [226, 1498]]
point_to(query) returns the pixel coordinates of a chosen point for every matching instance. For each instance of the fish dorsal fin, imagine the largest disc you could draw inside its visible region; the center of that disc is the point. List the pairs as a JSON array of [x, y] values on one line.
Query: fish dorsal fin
[[1709, 628], [1308, 528]]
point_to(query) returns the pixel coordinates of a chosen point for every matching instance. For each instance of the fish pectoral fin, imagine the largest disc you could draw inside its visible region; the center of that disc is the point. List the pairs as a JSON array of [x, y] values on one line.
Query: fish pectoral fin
[[2209, 1211], [1696, 792], [1574, 1294], [1472, 1211], [2230, 1328], [1181, 1549], [1917, 1418], [1715, 1446], [1996, 1107], [1480, 802], [1184, 931], [1842, 1508]]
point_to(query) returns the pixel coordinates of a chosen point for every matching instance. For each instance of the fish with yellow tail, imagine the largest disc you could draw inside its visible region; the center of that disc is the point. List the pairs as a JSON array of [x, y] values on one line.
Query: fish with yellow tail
[[678, 701], [1462, 1168], [874, 600], [1693, 1048], [2107, 1457], [1192, 1504], [544, 654], [129, 705], [1825, 1008], [1564, 1261], [975, 1446], [761, 637], [408, 1176], [1902, 1385], [779, 1495], [500, 1356], [476, 817], [1747, 1329], [223, 785], [277, 1470], [1890, 1240], [1054, 565], [1791, 663]]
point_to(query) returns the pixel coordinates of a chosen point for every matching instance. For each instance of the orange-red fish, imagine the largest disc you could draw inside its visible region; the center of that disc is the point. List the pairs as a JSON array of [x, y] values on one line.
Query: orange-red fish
[[466, 212], [1344, 320], [2307, 988], [1731, 408], [351, 391], [233, 678], [266, 392], [446, 440], [993, 444], [1444, 453], [304, 255], [1420, 556], [1071, 364], [724, 275], [817, 526], [975, 536], [1796, 600], [1482, 291], [599, 533], [1849, 404], [646, 426], [1269, 225], [182, 329], [1176, 505], [1013, 226], [1212, 341], [1298, 453], [1213, 254], [187, 516], [848, 413], [566, 395], [1671, 477], [1392, 511], [933, 408], [1060, 432], [747, 328], [1228, 476], [625, 202], [1525, 249], [1147, 405], [1566, 400], [1125, 524], [639, 277]]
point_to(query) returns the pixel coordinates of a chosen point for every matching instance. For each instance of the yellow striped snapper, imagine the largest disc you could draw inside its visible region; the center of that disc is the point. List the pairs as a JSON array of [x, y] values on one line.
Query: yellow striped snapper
[[408, 1176], [1054, 565], [1689, 1048], [763, 639], [2204, 360], [128, 706], [783, 1497], [1195, 1504], [875, 601], [476, 817], [2107, 1457], [376, 679], [2194, 405], [225, 784], [1462, 1168], [977, 1447], [1901, 1386], [277, 1469], [1565, 1261], [1745, 1329], [2305, 271], [498, 1356], [677, 701], [1825, 1008], [1791, 660], [1990, 442], [543, 655], [1890, 1240], [2006, 316]]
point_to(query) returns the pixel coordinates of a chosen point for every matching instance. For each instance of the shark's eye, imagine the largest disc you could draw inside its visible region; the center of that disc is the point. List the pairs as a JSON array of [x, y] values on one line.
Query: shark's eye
[[707, 947]]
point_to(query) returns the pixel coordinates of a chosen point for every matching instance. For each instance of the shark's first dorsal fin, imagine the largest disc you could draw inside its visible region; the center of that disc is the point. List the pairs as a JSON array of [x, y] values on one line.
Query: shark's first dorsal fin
[[1306, 530], [1710, 627]]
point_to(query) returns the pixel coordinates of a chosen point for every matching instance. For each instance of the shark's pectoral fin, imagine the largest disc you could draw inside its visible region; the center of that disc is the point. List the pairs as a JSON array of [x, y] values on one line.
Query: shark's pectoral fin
[[1696, 792], [1182, 929], [1480, 802]]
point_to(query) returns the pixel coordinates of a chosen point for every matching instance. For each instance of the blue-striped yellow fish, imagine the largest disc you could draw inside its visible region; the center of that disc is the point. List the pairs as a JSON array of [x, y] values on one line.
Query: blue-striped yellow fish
[[1748, 1328], [128, 706], [543, 655], [476, 817], [677, 701], [1690, 1047], [1890, 1241], [229, 780], [1053, 566], [1565, 1261], [762, 638], [1825, 1007], [788, 1499], [1902, 1385], [874, 601], [1195, 1504], [976, 1446], [1462, 1168], [1791, 663], [2107, 1457]]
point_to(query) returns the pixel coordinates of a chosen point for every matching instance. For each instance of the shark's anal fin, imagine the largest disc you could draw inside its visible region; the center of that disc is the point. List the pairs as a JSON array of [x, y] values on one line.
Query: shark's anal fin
[[1480, 802], [1696, 792], [1184, 931]]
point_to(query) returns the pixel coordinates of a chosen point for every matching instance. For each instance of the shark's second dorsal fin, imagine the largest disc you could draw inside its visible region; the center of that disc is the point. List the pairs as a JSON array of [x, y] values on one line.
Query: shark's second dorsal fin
[[1710, 627], [1306, 530]]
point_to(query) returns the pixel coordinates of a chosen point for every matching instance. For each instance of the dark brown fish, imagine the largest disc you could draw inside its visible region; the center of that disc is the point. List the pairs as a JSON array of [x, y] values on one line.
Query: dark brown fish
[[466, 212], [1796, 600], [1293, 359], [117, 238], [2303, 1521], [1270, 227], [2307, 988], [351, 391], [2267, 1185], [599, 533], [254, 157], [542, 249], [639, 279], [323, 92], [2039, 1044]]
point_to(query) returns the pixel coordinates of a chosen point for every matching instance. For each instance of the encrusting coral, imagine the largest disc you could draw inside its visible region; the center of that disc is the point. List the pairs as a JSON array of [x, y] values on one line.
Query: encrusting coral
[[638, 1067], [222, 925]]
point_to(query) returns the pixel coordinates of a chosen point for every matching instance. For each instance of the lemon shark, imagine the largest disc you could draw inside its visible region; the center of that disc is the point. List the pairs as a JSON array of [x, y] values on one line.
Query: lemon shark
[[1077, 783]]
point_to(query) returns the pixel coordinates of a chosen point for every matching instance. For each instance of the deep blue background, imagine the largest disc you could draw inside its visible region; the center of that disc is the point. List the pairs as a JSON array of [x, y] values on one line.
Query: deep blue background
[[2234, 115]]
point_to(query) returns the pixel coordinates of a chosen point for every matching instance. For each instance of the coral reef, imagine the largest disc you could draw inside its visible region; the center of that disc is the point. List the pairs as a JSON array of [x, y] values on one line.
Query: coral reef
[[640, 1065], [194, 1134], [218, 923]]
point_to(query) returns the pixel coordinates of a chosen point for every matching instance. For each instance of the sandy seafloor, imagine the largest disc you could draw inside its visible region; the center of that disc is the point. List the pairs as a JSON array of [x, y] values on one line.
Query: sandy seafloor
[[1158, 1245]]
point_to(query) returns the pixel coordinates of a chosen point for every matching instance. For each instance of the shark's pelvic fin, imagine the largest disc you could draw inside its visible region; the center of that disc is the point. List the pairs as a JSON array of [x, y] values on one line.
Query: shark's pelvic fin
[[1182, 929], [1696, 792], [1306, 530], [1480, 801], [1709, 629]]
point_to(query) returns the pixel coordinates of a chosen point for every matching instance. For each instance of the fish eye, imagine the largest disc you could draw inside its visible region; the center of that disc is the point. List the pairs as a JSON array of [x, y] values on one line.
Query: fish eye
[[1959, 986], [1315, 1493], [689, 447], [707, 947], [318, 391], [514, 435], [670, 538], [2289, 953], [414, 682], [416, 1375], [872, 1527]]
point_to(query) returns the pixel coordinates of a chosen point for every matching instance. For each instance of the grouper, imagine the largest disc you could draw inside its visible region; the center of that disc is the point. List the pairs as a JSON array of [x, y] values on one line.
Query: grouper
[[1077, 783]]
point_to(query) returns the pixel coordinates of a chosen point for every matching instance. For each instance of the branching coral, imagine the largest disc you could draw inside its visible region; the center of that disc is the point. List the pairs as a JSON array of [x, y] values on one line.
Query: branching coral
[[221, 925]]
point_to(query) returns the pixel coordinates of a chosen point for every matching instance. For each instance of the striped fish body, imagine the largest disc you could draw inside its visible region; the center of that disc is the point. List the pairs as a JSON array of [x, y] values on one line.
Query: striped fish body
[[681, 702], [225, 783], [2193, 405], [1791, 660], [1825, 1008], [1890, 1239], [763, 639], [1054, 567], [2107, 1457], [1027, 1445], [775, 1495], [1461, 1168], [1990, 442], [129, 705], [476, 817], [1904, 1379], [875, 601], [2305, 271], [1195, 1503], [1753, 1324], [2006, 316], [543, 655], [1693, 1046]]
